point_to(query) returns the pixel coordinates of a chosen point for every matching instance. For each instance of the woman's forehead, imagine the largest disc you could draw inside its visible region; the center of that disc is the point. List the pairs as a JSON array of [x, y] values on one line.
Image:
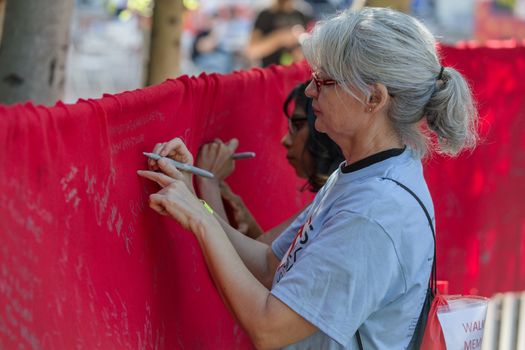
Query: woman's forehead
[[321, 73]]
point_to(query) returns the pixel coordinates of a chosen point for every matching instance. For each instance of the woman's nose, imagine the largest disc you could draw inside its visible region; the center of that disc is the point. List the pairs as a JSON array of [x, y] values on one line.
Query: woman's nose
[[311, 90], [286, 141]]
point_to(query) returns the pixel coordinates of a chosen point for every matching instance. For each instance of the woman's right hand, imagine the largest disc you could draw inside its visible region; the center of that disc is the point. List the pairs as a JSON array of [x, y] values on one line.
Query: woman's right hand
[[216, 158], [175, 199], [177, 150]]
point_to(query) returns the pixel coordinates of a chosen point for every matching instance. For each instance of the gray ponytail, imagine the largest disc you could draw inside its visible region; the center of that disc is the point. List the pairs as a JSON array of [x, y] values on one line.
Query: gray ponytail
[[451, 113], [378, 45]]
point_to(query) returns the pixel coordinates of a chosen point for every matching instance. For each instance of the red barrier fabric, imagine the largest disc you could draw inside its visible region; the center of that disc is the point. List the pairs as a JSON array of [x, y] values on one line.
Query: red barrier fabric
[[479, 197], [84, 263]]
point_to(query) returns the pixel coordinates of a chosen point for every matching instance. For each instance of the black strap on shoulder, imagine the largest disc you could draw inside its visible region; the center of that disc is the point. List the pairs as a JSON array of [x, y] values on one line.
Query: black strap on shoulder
[[433, 276], [359, 341]]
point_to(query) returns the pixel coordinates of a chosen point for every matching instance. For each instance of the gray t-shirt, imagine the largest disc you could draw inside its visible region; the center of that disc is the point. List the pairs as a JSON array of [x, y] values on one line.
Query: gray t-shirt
[[359, 257]]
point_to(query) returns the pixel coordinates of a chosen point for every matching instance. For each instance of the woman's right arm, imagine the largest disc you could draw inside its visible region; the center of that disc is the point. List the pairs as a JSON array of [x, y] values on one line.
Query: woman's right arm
[[236, 263], [258, 257], [216, 157]]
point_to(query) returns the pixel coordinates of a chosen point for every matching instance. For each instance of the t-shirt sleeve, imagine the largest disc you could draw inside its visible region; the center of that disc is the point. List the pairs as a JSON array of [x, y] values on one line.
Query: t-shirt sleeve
[[285, 239], [342, 276]]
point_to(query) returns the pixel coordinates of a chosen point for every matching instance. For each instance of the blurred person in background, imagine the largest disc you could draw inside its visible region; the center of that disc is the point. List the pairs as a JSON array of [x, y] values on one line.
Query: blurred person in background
[[399, 5], [325, 8], [207, 52], [275, 35], [220, 39]]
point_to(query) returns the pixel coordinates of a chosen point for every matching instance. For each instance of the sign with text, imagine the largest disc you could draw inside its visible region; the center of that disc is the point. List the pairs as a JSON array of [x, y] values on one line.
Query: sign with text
[[462, 321]]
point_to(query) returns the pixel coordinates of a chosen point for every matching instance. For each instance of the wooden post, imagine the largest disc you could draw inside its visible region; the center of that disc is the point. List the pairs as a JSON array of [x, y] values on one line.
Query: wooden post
[[165, 55], [2, 11], [33, 51]]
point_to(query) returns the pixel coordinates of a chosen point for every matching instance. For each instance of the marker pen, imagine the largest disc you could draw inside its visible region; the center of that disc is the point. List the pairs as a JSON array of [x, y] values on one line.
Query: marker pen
[[243, 155], [182, 166]]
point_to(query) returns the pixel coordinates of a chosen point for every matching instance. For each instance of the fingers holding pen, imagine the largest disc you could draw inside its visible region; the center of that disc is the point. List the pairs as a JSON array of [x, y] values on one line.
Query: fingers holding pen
[[216, 157], [176, 149], [152, 164], [169, 169], [232, 145]]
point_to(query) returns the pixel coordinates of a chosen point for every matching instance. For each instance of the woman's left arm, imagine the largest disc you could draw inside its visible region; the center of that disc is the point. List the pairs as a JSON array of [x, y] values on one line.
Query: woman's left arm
[[269, 322]]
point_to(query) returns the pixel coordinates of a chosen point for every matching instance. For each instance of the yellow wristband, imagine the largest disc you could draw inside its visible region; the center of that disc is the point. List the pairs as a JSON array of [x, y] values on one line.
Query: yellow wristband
[[207, 206]]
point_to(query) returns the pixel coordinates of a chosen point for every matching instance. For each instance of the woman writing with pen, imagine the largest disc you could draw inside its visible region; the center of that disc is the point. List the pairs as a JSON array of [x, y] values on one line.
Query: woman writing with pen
[[352, 270]]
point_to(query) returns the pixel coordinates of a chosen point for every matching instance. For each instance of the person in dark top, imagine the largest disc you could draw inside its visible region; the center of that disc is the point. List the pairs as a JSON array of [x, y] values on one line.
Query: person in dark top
[[208, 52], [275, 35]]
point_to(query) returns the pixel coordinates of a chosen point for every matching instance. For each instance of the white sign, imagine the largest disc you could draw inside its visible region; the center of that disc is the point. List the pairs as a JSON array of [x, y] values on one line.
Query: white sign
[[462, 322]]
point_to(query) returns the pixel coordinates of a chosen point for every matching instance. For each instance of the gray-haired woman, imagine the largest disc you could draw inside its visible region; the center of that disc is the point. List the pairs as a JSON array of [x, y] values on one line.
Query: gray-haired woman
[[354, 267]]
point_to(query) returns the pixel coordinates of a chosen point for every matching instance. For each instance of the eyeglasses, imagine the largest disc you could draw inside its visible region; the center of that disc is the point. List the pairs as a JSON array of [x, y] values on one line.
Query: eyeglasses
[[320, 82], [295, 124]]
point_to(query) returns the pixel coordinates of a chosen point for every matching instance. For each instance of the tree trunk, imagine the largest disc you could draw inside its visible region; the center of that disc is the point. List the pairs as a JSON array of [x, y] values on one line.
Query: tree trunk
[[2, 11], [33, 51], [164, 60]]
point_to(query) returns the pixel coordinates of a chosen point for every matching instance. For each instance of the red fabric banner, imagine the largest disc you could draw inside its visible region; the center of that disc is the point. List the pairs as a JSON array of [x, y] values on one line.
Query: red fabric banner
[[479, 197], [84, 263]]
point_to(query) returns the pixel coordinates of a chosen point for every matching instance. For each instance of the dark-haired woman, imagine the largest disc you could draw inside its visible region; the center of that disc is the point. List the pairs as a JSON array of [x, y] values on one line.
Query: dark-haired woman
[[312, 154]]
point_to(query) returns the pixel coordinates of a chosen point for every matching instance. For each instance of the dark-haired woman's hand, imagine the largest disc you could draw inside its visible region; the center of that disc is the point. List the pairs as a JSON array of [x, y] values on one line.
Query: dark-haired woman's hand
[[216, 158], [245, 222]]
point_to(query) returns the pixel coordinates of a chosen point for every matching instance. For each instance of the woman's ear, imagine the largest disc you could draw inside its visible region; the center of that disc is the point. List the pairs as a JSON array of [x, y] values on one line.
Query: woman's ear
[[378, 99]]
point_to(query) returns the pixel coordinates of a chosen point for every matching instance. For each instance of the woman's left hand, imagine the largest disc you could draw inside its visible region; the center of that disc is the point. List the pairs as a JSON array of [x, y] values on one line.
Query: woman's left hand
[[175, 199]]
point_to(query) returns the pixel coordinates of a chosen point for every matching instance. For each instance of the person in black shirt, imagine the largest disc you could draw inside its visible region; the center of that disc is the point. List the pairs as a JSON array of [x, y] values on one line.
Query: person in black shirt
[[274, 38]]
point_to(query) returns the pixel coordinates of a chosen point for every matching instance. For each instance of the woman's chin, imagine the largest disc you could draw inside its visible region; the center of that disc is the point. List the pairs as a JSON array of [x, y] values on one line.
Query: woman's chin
[[319, 126], [300, 173]]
